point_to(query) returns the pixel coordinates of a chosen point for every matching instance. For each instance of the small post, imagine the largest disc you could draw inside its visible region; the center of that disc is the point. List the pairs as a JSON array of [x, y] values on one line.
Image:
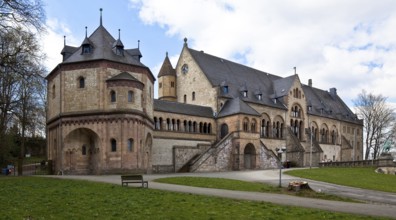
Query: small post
[[280, 151]]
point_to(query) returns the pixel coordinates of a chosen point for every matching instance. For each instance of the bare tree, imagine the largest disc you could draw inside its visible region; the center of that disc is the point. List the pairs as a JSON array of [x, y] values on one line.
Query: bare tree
[[21, 82], [378, 119], [17, 13]]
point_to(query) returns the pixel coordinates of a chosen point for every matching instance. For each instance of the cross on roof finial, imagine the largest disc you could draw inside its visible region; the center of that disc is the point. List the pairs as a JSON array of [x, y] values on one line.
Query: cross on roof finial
[[100, 16]]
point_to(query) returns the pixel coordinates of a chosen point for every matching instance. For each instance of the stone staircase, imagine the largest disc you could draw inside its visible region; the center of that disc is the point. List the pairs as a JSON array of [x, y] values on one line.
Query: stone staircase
[[215, 158]]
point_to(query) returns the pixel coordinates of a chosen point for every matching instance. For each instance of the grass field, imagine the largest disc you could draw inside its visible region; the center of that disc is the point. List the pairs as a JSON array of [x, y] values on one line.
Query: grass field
[[47, 198], [364, 178], [229, 184]]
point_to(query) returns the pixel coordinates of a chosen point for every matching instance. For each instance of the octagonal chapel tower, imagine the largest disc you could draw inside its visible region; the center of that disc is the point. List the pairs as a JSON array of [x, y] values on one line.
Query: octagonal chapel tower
[[100, 108]]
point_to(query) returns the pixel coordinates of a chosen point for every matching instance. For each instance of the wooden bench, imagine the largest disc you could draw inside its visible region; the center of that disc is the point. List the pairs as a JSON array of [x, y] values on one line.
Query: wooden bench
[[125, 179]]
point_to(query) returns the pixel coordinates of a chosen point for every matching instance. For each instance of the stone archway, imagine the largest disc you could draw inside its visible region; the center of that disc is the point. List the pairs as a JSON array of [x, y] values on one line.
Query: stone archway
[[80, 152], [249, 156], [147, 154], [223, 130]]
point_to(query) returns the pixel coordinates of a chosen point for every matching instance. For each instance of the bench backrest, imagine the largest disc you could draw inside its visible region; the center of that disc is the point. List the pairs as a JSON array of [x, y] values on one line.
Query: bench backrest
[[132, 177]]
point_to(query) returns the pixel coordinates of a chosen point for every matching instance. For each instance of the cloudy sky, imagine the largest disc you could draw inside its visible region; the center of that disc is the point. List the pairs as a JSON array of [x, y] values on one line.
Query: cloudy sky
[[349, 45]]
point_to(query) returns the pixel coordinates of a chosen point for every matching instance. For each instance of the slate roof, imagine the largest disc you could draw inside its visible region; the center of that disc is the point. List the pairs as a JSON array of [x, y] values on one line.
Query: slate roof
[[123, 76], [182, 108], [327, 104], [236, 106], [222, 72], [166, 68], [102, 43]]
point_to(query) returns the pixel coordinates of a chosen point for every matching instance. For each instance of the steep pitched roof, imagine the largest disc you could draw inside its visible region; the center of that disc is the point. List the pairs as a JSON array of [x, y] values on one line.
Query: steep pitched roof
[[220, 71], [166, 68], [236, 106], [282, 85], [182, 108], [328, 104], [102, 43]]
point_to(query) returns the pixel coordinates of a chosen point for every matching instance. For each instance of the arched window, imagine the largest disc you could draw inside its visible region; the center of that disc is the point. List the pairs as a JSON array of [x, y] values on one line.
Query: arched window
[[253, 126], [113, 145], [193, 96], [223, 130], [84, 150], [174, 126], [190, 129], [160, 124], [185, 99], [177, 128], [81, 82], [130, 145], [113, 96], [167, 124], [53, 91], [194, 128], [130, 96], [185, 124], [245, 124]]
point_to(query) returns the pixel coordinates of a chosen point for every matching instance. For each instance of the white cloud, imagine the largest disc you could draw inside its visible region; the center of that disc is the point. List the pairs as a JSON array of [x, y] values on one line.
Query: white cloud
[[52, 42], [350, 45]]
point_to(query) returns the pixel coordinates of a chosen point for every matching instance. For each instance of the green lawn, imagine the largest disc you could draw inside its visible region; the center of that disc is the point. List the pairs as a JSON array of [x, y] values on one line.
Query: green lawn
[[47, 198], [364, 178], [230, 184]]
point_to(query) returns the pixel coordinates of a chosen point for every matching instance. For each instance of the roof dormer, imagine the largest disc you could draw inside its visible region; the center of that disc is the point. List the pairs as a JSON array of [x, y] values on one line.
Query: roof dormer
[[118, 46], [86, 46], [244, 92]]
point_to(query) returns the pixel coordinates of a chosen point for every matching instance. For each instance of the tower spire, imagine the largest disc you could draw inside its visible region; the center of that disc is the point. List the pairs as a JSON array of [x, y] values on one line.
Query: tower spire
[[138, 44], [119, 34], [101, 16], [86, 31], [64, 40]]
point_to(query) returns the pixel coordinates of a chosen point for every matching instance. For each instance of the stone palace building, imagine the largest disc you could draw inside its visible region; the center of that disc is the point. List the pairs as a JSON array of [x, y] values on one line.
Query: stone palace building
[[211, 114]]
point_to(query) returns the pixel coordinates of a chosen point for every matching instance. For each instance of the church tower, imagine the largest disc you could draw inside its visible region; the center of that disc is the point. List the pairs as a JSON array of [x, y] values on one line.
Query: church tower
[[100, 108], [167, 81]]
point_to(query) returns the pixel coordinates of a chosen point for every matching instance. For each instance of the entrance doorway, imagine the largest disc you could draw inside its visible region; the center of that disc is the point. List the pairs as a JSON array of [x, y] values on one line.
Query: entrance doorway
[[249, 156]]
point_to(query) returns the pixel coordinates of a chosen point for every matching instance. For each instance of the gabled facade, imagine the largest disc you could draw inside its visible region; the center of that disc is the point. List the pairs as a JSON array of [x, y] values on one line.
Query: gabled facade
[[211, 114]]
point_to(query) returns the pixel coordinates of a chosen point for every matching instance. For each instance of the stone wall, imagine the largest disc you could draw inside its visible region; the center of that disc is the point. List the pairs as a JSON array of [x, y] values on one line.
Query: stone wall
[[66, 141], [183, 155], [163, 152], [194, 81]]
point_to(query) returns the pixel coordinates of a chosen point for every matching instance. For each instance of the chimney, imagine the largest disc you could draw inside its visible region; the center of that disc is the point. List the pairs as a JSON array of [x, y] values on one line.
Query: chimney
[[310, 82], [333, 91]]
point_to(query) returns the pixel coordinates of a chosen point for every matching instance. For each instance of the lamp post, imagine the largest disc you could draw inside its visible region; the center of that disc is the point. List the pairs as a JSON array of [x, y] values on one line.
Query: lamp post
[[310, 152], [280, 151]]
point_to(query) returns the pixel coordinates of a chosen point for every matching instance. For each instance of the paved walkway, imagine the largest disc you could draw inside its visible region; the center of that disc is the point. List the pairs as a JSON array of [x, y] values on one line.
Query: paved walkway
[[380, 203]]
